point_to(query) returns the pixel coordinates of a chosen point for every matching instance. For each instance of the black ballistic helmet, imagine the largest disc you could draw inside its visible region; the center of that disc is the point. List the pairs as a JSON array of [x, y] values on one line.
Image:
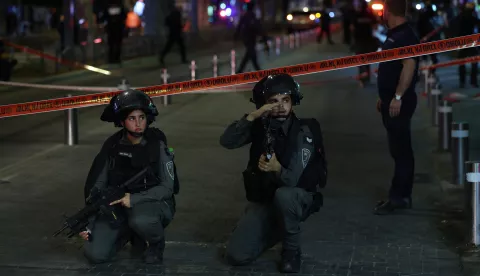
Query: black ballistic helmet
[[124, 103], [273, 85]]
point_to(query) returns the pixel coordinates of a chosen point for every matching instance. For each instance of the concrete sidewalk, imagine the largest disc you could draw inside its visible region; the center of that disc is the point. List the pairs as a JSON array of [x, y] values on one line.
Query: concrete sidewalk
[[344, 238]]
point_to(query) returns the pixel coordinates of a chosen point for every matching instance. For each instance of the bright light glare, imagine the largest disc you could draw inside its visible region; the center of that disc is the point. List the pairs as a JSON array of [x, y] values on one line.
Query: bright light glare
[[223, 6], [418, 7], [289, 17], [317, 15], [97, 70], [312, 17], [228, 12], [377, 7], [305, 9], [222, 13]]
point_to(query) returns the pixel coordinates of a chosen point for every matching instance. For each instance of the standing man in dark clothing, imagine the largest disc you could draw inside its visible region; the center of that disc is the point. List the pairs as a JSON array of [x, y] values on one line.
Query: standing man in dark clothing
[[325, 27], [364, 22], [174, 23], [425, 27], [115, 16], [6, 63], [467, 21], [249, 28], [347, 15], [285, 171], [397, 104]]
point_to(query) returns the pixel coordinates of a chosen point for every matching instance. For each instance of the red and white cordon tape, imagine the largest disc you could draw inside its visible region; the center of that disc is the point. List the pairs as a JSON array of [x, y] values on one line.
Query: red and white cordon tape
[[64, 103]]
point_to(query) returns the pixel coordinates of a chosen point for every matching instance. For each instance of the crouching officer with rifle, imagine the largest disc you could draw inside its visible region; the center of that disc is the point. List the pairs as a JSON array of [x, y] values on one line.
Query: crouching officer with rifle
[[137, 154], [286, 168]]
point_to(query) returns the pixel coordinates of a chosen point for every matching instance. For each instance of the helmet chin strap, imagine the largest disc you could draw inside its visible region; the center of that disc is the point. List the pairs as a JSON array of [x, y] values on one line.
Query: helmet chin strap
[[135, 134]]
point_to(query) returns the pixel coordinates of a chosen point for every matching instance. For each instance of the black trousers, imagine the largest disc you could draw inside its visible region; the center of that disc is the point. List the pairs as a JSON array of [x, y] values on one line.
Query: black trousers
[[250, 55], [462, 71], [400, 145], [172, 39], [115, 48]]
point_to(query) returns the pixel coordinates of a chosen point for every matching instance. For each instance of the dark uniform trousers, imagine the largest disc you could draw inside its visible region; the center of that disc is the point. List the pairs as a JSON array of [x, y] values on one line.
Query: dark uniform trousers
[[264, 225], [147, 219], [400, 145], [250, 54], [462, 71]]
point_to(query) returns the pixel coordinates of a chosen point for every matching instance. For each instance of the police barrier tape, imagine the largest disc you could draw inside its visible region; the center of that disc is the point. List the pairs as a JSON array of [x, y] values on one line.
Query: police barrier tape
[[453, 62], [245, 78], [109, 89], [58, 60], [59, 87]]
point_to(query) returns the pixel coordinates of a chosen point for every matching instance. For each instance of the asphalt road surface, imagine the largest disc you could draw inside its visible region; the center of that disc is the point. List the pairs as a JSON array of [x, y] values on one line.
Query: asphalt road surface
[[344, 238]]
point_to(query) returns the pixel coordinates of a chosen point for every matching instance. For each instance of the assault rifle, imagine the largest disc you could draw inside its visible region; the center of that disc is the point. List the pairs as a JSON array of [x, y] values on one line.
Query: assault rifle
[[268, 142], [99, 203]]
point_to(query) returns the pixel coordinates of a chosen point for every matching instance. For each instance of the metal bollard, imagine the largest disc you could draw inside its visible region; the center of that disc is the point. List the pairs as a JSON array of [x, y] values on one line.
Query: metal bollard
[[215, 66], [473, 200], [166, 100], [460, 151], [232, 62], [445, 125], [421, 64], [71, 126], [285, 41], [297, 40], [193, 69], [269, 43], [278, 45], [436, 97], [431, 81], [292, 41], [124, 84]]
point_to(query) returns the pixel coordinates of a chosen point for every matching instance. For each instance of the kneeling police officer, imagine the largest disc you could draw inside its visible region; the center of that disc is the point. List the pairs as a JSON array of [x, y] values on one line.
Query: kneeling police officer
[[286, 168], [148, 205]]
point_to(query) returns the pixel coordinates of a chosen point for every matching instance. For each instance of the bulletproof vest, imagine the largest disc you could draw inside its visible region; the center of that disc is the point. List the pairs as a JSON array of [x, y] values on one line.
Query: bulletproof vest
[[127, 160], [282, 150]]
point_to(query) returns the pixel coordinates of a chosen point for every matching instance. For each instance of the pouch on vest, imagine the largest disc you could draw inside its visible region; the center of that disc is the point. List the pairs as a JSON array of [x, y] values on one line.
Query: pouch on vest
[[258, 186]]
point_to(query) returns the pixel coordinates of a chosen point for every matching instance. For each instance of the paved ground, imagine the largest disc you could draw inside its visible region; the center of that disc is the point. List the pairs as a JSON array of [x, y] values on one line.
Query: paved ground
[[344, 238]]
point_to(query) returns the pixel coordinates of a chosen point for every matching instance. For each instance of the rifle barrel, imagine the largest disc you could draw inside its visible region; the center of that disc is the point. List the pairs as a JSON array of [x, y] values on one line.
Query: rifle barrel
[[60, 231]]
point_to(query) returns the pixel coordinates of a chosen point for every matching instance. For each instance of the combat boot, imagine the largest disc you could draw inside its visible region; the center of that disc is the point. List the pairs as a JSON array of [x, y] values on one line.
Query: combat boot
[[154, 253], [291, 261]]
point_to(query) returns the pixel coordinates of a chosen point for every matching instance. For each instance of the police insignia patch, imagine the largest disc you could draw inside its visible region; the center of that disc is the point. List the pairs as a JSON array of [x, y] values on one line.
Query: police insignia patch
[[305, 157], [169, 167]]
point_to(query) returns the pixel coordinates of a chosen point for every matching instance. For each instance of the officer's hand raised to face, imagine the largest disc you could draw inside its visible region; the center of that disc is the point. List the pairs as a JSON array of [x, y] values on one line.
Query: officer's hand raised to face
[[125, 201], [259, 112], [269, 166]]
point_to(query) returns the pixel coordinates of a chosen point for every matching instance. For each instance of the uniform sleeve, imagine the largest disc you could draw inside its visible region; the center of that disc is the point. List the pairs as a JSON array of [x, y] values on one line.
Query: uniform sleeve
[[102, 179], [237, 134], [166, 179], [289, 177]]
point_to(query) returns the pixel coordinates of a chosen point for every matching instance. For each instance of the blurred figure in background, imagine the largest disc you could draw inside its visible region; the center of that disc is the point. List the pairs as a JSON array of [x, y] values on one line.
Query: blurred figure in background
[[175, 24]]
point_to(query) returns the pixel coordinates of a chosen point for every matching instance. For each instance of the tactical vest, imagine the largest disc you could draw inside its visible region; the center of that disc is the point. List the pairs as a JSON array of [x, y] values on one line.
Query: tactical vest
[[127, 160], [260, 186]]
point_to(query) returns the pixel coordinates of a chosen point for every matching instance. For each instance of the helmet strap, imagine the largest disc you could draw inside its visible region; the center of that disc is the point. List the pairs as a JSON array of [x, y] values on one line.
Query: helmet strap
[[135, 134]]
